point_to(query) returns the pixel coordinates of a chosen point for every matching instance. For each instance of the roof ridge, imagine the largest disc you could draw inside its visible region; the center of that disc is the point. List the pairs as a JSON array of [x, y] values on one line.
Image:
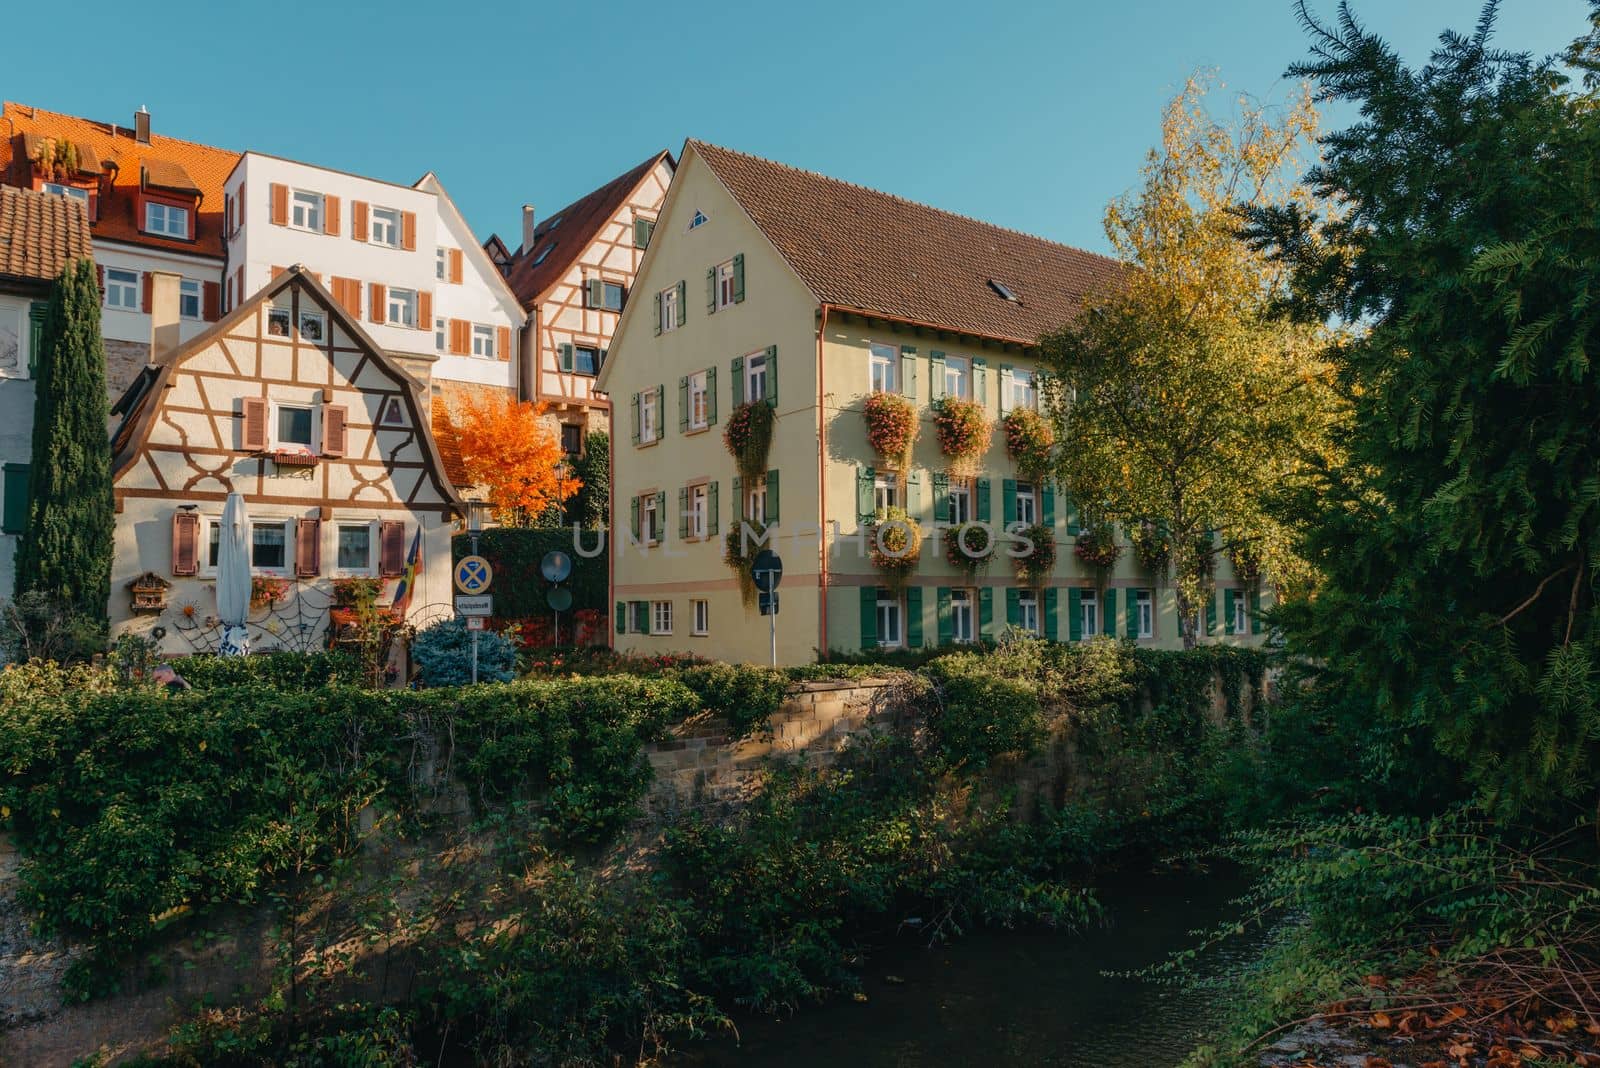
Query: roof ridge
[[896, 197], [642, 164], [116, 126]]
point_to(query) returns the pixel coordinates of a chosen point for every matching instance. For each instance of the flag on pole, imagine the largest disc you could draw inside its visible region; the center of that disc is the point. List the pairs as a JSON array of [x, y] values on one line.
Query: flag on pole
[[408, 578]]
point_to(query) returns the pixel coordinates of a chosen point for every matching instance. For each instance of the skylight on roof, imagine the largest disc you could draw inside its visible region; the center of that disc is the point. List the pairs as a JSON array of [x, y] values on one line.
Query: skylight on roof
[[1004, 291], [543, 253]]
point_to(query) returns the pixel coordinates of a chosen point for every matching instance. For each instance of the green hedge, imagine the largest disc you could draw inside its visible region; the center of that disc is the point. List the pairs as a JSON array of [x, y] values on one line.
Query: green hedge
[[515, 554]]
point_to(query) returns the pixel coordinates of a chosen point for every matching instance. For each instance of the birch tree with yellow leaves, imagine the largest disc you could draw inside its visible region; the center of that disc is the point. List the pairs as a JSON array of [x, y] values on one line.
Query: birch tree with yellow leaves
[[1181, 401]]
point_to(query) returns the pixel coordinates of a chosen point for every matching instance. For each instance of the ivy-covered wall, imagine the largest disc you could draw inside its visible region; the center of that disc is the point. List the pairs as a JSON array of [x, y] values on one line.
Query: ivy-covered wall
[[515, 554]]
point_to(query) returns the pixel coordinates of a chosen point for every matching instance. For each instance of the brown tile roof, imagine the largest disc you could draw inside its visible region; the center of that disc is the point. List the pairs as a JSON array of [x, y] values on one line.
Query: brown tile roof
[[444, 435], [205, 168], [40, 233], [165, 174], [562, 237], [861, 249]]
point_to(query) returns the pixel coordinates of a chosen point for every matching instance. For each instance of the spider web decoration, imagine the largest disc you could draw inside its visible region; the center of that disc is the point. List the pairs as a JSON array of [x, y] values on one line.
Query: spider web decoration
[[297, 622]]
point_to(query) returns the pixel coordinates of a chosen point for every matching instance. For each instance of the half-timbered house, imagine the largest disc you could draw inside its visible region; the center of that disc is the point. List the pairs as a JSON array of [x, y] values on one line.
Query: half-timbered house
[[288, 401]]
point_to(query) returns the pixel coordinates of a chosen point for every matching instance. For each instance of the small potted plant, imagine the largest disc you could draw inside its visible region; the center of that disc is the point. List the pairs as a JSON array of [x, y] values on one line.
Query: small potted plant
[[891, 426]]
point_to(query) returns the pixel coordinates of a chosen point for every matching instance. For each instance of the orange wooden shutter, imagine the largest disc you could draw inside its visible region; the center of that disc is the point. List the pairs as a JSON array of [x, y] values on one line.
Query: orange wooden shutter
[[213, 301], [238, 205], [502, 342], [280, 204], [253, 432], [378, 298], [149, 281], [359, 228], [391, 547], [307, 547], [424, 311], [460, 337], [185, 543], [238, 287], [334, 417], [347, 291], [408, 230], [455, 266], [330, 216]]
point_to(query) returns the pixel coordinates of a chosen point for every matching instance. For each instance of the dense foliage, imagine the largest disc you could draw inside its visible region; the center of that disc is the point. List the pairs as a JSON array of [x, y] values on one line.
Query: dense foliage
[[443, 653], [519, 588], [510, 448]]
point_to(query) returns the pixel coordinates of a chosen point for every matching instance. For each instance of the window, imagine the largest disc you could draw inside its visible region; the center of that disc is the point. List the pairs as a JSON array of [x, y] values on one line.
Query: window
[[697, 401], [438, 334], [166, 220], [697, 511], [313, 325], [269, 543], [540, 258], [755, 376], [66, 191], [571, 438], [724, 288], [1004, 291], [278, 321], [661, 617], [122, 289], [1145, 611], [1028, 611], [586, 359], [755, 508], [403, 308], [669, 309], [957, 376], [888, 618], [699, 220], [886, 491], [960, 502], [649, 416], [386, 227], [961, 616], [1024, 393], [483, 340], [189, 299], [1241, 625], [640, 612], [294, 425], [642, 229], [607, 296], [392, 415], [305, 211], [441, 263], [11, 334], [1089, 608], [1027, 503], [649, 519], [354, 552], [884, 362], [701, 611]]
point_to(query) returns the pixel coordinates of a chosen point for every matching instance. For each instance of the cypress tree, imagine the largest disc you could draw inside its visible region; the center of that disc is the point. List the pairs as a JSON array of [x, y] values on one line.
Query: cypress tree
[[66, 549]]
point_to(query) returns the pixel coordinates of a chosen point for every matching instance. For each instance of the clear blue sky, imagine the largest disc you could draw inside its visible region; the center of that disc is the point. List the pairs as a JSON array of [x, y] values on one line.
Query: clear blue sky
[[1031, 114]]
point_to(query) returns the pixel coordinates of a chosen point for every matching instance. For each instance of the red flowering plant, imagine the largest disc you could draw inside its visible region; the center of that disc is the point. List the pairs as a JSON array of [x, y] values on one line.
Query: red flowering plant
[[1035, 566], [1029, 442], [968, 546], [265, 590], [748, 436], [1097, 546], [963, 430], [891, 425], [896, 544]]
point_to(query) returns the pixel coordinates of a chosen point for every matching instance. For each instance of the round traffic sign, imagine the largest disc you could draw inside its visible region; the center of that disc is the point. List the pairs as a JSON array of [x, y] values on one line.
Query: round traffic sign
[[559, 598], [555, 566], [766, 570], [473, 574]]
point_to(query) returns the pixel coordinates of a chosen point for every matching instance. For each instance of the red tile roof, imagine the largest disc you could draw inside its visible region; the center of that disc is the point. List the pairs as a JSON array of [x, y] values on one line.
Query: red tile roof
[[168, 161], [40, 233], [570, 231], [444, 435], [860, 249]]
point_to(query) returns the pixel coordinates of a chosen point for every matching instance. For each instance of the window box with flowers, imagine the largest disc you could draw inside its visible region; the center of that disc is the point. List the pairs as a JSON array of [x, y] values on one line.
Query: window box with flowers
[[1029, 442], [1097, 546], [1035, 567], [294, 457], [266, 590], [748, 437], [963, 430], [896, 544], [739, 552], [1152, 545], [968, 547], [891, 426]]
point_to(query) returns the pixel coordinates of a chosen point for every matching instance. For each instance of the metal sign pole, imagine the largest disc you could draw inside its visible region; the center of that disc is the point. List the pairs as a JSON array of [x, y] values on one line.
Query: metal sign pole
[[474, 633]]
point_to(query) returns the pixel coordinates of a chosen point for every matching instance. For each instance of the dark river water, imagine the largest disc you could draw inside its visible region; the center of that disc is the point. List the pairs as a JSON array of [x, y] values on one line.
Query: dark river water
[[1015, 998]]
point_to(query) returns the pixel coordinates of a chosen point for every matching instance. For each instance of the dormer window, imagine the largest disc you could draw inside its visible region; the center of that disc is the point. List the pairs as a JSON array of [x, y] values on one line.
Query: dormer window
[[168, 220], [66, 191], [1004, 291]]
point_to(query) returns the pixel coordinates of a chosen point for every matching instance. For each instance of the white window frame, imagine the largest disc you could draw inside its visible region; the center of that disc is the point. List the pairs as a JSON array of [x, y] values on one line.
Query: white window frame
[[384, 226], [14, 320], [960, 501], [210, 527], [403, 299], [439, 333], [441, 263], [122, 292], [275, 410], [724, 286], [755, 503], [1024, 390], [1241, 616], [649, 417], [755, 375], [307, 210], [287, 314], [699, 618], [699, 498], [957, 370], [73, 191], [649, 519], [1089, 614], [607, 284], [189, 289], [1028, 605], [483, 341], [963, 616], [1026, 492], [660, 617], [885, 491], [371, 527], [1145, 608], [669, 309], [890, 609], [883, 369], [166, 220], [308, 316], [698, 409]]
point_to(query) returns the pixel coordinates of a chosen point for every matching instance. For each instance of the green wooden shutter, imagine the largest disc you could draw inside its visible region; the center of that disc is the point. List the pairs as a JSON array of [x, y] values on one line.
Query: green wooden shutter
[[935, 375], [865, 506], [683, 305], [942, 609], [772, 375], [980, 489], [641, 233], [635, 405], [633, 517], [1108, 613], [738, 278], [1071, 508], [622, 617], [869, 618], [980, 381], [1211, 611], [14, 512], [914, 494], [1227, 610], [683, 404], [661, 510], [941, 497], [596, 292], [1074, 615], [908, 371], [738, 381], [641, 617], [1256, 624], [36, 314], [1005, 386], [711, 291], [1047, 506], [711, 395], [658, 315], [1013, 607], [567, 362], [683, 512], [986, 613], [736, 513], [1131, 624], [661, 411], [1051, 600], [772, 497], [712, 507], [1008, 497], [914, 616]]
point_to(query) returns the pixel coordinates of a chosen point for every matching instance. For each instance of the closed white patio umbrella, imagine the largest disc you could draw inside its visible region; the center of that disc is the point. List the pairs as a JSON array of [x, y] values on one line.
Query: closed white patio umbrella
[[233, 577]]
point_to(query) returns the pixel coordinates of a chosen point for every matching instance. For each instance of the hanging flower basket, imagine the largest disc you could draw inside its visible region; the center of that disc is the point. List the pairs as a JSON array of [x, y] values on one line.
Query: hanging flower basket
[[738, 553], [349, 592], [1097, 546], [1152, 545], [1029, 442], [891, 425], [963, 430], [1246, 562], [748, 437], [1203, 560], [265, 590], [968, 547], [1035, 567], [896, 544]]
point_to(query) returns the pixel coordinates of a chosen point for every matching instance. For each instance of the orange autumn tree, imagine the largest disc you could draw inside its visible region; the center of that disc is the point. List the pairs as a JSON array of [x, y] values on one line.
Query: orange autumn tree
[[508, 448]]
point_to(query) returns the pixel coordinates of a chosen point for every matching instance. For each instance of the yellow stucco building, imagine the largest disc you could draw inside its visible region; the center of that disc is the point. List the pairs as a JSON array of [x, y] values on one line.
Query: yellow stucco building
[[764, 281]]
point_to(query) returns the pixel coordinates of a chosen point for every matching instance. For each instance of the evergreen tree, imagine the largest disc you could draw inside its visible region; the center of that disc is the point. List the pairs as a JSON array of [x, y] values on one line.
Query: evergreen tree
[[65, 552], [1456, 640]]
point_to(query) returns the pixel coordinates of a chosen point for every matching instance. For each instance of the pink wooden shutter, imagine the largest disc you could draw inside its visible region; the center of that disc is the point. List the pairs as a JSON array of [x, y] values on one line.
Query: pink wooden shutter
[[185, 543], [253, 433], [308, 547], [391, 547], [333, 429]]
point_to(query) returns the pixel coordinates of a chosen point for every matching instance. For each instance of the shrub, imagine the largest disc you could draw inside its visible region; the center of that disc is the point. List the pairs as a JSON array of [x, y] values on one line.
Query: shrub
[[443, 653], [745, 695], [289, 671], [979, 713]]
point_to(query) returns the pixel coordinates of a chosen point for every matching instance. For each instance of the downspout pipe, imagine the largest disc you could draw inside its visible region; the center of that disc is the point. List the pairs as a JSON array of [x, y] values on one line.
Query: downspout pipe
[[822, 489]]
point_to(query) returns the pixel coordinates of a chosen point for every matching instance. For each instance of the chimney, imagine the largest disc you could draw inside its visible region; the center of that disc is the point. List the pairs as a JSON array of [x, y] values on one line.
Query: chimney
[[141, 126], [164, 292], [527, 227]]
